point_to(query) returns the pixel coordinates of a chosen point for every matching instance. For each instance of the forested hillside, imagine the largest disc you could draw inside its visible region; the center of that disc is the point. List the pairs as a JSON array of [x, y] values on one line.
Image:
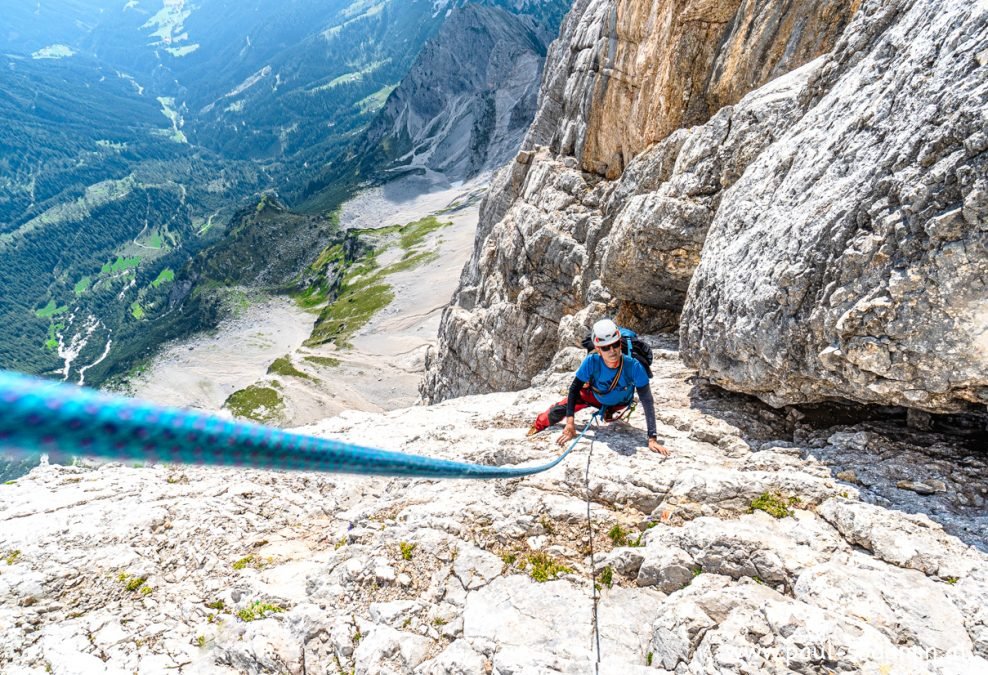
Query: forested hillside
[[140, 137]]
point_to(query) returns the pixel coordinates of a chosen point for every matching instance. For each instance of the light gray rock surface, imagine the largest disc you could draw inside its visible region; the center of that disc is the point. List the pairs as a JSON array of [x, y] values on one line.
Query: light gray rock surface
[[154, 569], [850, 259]]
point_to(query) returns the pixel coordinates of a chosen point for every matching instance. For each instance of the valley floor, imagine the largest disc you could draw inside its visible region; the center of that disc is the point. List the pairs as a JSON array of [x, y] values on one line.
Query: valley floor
[[382, 369], [742, 552]]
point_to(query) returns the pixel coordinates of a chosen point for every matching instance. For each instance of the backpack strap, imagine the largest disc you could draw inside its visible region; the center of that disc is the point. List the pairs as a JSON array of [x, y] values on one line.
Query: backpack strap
[[614, 382]]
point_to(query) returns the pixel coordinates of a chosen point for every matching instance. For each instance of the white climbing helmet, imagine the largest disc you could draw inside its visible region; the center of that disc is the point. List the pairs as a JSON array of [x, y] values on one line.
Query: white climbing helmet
[[605, 332]]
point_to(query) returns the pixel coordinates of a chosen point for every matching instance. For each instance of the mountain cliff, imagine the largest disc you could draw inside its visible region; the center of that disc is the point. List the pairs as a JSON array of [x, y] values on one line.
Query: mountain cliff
[[467, 101], [544, 227], [835, 213]]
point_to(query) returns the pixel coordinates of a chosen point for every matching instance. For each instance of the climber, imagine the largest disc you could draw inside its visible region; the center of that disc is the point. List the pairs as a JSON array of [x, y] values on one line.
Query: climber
[[607, 379]]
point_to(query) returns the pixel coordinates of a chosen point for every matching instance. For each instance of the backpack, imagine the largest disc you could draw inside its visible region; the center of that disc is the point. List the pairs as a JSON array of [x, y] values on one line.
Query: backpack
[[631, 345]]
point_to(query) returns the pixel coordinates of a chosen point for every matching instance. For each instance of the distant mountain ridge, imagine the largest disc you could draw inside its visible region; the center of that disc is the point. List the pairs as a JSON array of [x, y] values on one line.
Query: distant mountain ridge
[[466, 102]]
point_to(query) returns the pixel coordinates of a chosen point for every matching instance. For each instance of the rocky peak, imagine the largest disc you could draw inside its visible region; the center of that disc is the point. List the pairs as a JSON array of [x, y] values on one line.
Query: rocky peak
[[465, 104], [627, 73]]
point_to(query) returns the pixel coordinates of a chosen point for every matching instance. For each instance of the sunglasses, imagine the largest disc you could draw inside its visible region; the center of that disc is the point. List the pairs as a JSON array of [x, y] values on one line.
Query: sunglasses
[[607, 348]]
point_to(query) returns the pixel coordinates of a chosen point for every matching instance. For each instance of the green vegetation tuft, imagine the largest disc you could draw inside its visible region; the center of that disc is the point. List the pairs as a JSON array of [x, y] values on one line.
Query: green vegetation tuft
[[648, 658], [406, 550], [51, 344], [618, 535], [284, 366], [773, 504], [258, 403], [248, 561], [952, 580], [607, 576], [258, 610], [509, 558], [134, 584], [542, 568], [11, 557], [413, 234], [216, 604], [81, 286]]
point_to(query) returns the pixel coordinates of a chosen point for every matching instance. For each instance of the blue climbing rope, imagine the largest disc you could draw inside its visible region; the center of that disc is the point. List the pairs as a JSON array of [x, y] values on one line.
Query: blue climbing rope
[[38, 416]]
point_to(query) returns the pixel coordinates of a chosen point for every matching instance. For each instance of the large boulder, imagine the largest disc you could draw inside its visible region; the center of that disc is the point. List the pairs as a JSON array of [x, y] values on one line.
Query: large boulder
[[851, 258]]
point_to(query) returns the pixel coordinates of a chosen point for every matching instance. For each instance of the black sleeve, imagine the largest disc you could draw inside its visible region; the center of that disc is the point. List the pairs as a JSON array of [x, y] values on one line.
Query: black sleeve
[[648, 405], [574, 396]]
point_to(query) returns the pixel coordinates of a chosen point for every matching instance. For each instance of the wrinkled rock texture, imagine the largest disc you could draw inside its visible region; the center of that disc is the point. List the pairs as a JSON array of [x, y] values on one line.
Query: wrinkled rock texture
[[554, 214], [824, 236], [627, 73], [851, 260], [185, 570]]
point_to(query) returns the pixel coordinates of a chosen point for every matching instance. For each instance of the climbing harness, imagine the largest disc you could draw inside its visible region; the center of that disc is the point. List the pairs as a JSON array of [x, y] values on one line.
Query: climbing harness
[[37, 416]]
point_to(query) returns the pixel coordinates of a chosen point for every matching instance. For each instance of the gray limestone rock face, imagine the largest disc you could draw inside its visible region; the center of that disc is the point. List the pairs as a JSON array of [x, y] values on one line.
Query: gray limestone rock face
[[851, 258], [557, 235]]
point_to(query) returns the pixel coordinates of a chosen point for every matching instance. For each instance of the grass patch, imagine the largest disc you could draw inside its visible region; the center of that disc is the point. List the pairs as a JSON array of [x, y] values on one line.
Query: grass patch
[[258, 403], [543, 568], [134, 584], [250, 560], [359, 286], [258, 610], [413, 234], [136, 310], [406, 550], [326, 361], [50, 310], [351, 311], [218, 605], [12, 557], [121, 264], [165, 276], [81, 286], [284, 366], [773, 504], [51, 344], [375, 101]]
